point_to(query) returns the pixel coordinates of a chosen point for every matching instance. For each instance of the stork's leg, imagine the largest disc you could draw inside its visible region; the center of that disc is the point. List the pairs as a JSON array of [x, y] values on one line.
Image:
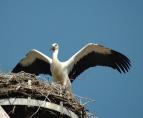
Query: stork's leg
[[67, 88]]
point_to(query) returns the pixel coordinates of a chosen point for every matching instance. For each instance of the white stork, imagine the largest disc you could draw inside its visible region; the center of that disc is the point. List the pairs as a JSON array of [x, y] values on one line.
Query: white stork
[[90, 55]]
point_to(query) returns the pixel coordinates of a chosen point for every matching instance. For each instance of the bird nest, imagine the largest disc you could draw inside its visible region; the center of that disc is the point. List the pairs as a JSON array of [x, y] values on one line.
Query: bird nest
[[22, 86]]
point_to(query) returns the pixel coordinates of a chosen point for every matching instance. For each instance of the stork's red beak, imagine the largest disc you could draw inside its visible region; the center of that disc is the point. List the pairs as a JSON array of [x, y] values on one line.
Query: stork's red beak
[[52, 48]]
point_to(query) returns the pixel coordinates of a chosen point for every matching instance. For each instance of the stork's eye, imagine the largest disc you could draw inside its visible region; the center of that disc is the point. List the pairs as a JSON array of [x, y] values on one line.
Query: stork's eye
[[56, 45]]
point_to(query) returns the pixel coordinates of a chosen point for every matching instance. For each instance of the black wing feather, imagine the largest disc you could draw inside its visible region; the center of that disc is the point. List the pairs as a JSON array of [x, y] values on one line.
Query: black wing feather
[[37, 67], [114, 59]]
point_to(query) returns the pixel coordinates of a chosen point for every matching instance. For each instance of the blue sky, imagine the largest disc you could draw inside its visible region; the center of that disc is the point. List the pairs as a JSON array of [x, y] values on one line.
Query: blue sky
[[118, 24]]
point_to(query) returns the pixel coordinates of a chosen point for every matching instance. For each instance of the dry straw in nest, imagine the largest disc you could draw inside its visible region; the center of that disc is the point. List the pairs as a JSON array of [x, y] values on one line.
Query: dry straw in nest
[[24, 85]]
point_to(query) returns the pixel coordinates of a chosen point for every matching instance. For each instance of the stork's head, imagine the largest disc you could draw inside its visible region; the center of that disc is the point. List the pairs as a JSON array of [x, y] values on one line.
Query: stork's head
[[54, 47]]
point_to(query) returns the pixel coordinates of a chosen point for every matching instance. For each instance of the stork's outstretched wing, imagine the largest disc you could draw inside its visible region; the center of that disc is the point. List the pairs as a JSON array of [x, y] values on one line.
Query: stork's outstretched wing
[[96, 55], [34, 62]]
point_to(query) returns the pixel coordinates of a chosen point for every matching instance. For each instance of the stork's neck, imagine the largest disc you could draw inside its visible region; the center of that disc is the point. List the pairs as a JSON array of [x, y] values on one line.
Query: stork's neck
[[55, 55]]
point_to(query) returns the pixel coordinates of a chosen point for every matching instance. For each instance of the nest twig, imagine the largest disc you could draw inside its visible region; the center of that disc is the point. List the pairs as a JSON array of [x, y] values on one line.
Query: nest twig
[[16, 86]]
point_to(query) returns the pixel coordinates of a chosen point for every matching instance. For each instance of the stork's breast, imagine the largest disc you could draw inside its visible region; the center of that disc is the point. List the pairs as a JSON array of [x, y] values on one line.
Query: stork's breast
[[57, 72]]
